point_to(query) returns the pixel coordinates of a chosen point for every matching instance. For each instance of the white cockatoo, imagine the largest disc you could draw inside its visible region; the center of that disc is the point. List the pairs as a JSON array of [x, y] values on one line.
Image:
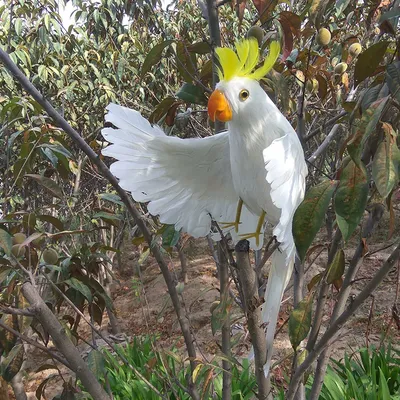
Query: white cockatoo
[[252, 172]]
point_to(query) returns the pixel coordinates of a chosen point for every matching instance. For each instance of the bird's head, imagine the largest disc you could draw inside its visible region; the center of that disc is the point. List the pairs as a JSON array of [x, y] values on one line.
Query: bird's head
[[238, 90]]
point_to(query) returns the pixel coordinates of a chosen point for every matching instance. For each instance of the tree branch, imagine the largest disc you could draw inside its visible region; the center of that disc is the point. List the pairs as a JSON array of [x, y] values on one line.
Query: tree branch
[[74, 135], [51, 324], [321, 128], [252, 303], [35, 344], [323, 146], [226, 327], [328, 336], [374, 217]]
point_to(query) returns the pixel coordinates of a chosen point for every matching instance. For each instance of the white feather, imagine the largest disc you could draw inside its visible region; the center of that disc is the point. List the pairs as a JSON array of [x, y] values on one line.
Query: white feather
[[184, 181]]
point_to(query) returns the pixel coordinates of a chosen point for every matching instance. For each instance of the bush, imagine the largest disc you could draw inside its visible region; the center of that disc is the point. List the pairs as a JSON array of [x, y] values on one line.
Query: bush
[[167, 372], [365, 375]]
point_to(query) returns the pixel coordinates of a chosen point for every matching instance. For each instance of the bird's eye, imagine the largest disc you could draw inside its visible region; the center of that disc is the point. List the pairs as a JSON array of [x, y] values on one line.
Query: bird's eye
[[244, 95]]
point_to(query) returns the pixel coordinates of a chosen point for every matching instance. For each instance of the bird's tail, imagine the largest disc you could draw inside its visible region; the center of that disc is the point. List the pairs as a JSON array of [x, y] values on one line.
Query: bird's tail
[[281, 270]]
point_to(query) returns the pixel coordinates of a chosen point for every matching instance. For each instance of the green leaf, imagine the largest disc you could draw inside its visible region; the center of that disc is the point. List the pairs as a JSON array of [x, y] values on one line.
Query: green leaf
[[368, 61], [170, 236], [18, 26], [310, 215], [80, 287], [383, 386], [51, 220], [186, 62], [108, 216], [351, 198], [199, 48], [393, 79], [154, 56], [300, 322], [5, 241], [96, 363], [47, 183], [384, 169], [113, 198], [191, 94], [336, 268], [367, 125], [393, 13]]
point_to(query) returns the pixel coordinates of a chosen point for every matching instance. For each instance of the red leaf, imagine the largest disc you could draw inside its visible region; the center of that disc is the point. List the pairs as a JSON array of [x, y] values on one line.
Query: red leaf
[[264, 8], [287, 38]]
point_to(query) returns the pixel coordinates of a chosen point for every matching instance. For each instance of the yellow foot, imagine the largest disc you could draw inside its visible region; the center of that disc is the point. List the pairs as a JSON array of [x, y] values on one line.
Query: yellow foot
[[247, 236], [226, 225], [235, 224], [257, 233]]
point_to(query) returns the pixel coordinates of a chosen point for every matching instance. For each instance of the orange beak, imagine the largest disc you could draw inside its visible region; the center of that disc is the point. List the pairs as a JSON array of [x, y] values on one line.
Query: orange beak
[[218, 107]]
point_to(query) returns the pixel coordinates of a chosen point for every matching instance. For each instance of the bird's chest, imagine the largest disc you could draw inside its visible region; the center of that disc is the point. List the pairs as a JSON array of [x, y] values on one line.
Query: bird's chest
[[248, 172]]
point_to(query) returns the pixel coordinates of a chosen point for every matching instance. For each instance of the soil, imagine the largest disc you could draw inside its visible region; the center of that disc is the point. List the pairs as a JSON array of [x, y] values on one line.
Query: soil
[[143, 306]]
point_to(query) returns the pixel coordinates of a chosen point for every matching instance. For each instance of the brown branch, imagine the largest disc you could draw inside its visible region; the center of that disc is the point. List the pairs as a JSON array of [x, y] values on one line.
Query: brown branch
[[326, 339], [80, 142], [226, 327], [252, 303], [28, 312], [321, 128], [35, 344], [374, 217], [51, 325]]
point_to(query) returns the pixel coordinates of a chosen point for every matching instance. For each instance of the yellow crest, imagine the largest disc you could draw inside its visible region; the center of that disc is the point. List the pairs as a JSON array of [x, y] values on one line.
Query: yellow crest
[[244, 61]]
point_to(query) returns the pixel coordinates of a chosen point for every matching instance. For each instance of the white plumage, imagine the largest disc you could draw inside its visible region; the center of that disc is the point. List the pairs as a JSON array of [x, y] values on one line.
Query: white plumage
[[259, 160]]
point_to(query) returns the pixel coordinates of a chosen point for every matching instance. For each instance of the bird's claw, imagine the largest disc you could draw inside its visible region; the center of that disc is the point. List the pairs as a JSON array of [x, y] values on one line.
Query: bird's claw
[[226, 225], [255, 235]]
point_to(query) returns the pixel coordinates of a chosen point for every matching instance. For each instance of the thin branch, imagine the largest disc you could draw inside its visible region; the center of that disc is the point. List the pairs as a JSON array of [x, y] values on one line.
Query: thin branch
[[226, 327], [98, 332], [62, 123], [321, 149], [323, 293], [321, 128], [28, 312], [252, 303], [36, 344], [374, 217], [326, 339]]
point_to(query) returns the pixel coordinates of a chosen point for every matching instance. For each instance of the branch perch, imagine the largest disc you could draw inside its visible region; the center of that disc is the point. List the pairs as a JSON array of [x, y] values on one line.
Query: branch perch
[[74, 135]]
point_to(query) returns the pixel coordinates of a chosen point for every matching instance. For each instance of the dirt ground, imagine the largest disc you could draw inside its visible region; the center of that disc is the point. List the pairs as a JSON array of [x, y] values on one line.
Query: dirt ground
[[143, 307]]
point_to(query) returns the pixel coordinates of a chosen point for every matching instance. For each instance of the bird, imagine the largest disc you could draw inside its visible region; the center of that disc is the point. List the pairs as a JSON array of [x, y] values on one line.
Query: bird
[[250, 173]]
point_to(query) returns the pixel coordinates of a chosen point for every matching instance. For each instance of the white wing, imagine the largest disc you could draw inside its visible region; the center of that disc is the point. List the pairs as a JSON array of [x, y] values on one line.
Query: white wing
[[184, 180]]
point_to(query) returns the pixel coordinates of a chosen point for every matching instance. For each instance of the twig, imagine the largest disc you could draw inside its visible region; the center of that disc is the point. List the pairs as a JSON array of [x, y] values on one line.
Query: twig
[[326, 339], [323, 293], [98, 332], [62, 123], [28, 312], [249, 283], [36, 344], [321, 128], [324, 144], [225, 328], [374, 217]]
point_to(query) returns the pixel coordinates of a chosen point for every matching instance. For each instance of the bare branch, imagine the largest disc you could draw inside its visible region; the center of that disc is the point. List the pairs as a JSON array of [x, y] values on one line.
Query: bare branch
[[252, 303], [35, 344], [323, 146], [74, 135], [329, 335]]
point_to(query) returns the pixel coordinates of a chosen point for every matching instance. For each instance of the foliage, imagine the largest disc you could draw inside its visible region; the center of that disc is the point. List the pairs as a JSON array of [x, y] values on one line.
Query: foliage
[[159, 62], [366, 374], [167, 372]]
